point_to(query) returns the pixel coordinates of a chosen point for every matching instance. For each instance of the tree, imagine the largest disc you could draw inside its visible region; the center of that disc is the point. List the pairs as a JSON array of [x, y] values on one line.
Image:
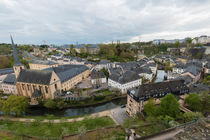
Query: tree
[[169, 106], [190, 116], [87, 49], [205, 102], [193, 101], [49, 103], [61, 104], [14, 104], [149, 108], [71, 48], [177, 44], [106, 73], [5, 62]]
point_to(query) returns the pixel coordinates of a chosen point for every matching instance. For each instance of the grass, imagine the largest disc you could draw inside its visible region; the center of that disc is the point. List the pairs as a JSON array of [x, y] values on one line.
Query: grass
[[111, 133], [50, 130]]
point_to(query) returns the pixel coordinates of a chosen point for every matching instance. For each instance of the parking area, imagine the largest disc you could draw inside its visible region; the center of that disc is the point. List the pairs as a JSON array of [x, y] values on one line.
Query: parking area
[[119, 114]]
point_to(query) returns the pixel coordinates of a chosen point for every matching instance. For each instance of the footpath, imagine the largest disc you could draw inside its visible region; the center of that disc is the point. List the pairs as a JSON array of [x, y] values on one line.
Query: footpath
[[94, 115]]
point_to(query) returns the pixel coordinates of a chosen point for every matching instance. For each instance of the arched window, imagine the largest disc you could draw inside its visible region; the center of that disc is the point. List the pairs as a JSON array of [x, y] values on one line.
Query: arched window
[[46, 89], [55, 86]]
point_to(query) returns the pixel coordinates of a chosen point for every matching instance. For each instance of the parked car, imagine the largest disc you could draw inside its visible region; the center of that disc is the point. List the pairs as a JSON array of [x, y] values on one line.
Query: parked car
[[68, 92]]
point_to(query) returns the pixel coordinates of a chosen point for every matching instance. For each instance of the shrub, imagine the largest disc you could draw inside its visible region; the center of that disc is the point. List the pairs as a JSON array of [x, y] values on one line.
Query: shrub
[[193, 101]]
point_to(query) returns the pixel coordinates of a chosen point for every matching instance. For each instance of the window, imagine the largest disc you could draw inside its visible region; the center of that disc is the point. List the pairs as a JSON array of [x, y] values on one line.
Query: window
[[34, 87], [28, 87], [55, 86], [40, 87], [46, 89], [23, 86]]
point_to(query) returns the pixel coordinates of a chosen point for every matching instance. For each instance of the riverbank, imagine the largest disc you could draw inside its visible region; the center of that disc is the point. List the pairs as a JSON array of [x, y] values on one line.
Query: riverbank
[[52, 119]]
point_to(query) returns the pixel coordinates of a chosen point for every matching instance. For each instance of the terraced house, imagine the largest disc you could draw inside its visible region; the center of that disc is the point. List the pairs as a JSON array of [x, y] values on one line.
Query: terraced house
[[137, 97], [49, 82]]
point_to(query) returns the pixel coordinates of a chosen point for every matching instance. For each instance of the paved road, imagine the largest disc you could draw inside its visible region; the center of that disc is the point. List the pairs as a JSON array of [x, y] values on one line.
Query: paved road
[[119, 114]]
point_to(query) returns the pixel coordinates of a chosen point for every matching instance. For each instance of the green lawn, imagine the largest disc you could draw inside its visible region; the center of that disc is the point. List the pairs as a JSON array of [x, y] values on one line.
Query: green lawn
[[45, 130]]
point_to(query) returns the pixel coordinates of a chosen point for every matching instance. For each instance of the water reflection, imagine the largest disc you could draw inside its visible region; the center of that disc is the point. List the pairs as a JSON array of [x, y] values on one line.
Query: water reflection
[[77, 111]]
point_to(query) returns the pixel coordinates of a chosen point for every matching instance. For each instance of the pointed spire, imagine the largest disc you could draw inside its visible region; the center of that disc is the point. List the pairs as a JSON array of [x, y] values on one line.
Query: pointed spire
[[15, 55]]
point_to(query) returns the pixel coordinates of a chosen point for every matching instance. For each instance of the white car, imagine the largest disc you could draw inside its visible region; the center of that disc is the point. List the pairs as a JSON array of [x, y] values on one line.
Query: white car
[[68, 92]]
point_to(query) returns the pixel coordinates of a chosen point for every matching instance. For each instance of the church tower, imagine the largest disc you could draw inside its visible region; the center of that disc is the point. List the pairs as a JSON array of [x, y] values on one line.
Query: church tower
[[17, 66]]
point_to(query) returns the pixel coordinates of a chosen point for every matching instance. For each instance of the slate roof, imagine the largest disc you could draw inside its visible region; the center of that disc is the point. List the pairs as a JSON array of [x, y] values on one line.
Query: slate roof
[[35, 76], [128, 66], [142, 70], [66, 72], [151, 65], [115, 70], [193, 70], [208, 65], [6, 71], [180, 66], [10, 79], [126, 77], [187, 79], [104, 62], [157, 88], [15, 55], [97, 74], [44, 62]]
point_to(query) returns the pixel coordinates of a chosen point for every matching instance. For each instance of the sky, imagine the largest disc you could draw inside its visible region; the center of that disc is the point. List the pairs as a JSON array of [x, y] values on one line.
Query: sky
[[101, 21]]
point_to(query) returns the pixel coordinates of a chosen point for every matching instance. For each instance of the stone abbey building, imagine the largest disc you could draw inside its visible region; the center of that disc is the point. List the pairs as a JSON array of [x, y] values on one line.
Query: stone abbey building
[[137, 97], [49, 82]]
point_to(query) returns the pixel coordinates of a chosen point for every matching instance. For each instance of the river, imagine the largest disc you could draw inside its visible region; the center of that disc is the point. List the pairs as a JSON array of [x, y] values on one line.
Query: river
[[77, 111]]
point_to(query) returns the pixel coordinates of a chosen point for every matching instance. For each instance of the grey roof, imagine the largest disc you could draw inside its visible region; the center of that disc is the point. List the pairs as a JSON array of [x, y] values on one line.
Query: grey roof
[[115, 70], [66, 72], [16, 58], [126, 77], [187, 79], [128, 66], [6, 71], [156, 88], [193, 70], [10, 79], [97, 74], [35, 76], [180, 66], [141, 62], [151, 65], [44, 62], [143, 70], [195, 62], [104, 62], [208, 65]]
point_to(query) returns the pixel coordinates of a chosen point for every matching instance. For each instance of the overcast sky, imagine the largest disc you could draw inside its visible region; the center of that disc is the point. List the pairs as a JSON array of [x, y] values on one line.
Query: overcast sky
[[99, 21]]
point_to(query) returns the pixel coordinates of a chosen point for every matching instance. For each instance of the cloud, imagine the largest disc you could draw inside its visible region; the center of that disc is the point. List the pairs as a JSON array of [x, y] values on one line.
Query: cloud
[[97, 21]]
